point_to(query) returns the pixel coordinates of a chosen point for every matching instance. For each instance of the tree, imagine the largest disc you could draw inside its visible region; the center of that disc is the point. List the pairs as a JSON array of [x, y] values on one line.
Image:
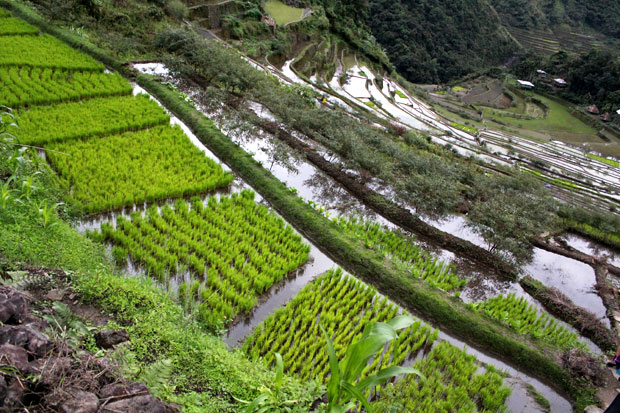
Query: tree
[[508, 212]]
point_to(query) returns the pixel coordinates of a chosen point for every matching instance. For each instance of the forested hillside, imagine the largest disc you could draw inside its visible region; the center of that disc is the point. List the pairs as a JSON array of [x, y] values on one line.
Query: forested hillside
[[434, 41], [602, 16]]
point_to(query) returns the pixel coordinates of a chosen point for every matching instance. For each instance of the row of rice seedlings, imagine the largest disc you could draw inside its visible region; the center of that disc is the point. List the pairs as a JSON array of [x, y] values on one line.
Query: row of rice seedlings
[[10, 26], [95, 117], [398, 246], [235, 248], [523, 317], [22, 86], [453, 384], [43, 51], [135, 167], [5, 13], [343, 306]]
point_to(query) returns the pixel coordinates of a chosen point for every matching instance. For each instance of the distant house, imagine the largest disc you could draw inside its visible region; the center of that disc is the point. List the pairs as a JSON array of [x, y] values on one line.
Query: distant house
[[541, 73], [593, 110], [606, 117], [524, 84], [559, 82]]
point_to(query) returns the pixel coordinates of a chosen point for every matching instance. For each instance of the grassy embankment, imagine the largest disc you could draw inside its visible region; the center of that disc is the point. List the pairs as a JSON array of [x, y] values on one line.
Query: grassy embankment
[[428, 302]]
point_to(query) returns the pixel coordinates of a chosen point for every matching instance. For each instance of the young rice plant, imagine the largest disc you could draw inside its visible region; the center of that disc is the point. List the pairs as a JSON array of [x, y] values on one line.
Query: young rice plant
[[398, 246], [523, 317], [121, 170], [234, 248], [43, 51], [343, 306], [36, 86], [40, 125]]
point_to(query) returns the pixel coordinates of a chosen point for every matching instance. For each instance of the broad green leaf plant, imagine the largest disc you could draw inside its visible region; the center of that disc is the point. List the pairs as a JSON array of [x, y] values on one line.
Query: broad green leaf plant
[[346, 388]]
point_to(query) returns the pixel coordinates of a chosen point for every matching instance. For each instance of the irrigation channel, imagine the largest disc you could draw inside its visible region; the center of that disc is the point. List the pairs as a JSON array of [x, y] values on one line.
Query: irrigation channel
[[316, 187]]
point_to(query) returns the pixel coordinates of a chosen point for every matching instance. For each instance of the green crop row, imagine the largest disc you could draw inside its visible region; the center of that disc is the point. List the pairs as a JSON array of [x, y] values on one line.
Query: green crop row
[[43, 51], [453, 384], [95, 117], [523, 317], [5, 13], [13, 26], [235, 248], [135, 167], [343, 306], [36, 86], [396, 245], [607, 161]]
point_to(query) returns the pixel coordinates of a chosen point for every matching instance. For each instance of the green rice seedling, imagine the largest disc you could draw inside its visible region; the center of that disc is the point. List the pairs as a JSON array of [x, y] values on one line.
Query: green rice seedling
[[523, 317], [43, 51], [5, 13], [13, 26], [95, 117], [453, 383], [215, 241], [25, 85], [157, 163], [398, 246], [343, 306]]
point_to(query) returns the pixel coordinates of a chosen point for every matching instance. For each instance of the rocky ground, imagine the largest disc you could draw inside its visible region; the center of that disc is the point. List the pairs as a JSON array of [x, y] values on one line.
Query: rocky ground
[[43, 366]]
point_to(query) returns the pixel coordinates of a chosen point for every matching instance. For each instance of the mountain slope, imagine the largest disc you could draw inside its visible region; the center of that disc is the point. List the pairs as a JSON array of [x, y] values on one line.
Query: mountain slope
[[436, 41], [601, 15]]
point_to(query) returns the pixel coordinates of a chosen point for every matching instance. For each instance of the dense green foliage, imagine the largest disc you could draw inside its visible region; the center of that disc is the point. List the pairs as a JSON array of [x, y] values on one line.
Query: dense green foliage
[[15, 26], [135, 167], [592, 77], [43, 51], [603, 16], [453, 383], [35, 86], [523, 317], [397, 246], [95, 117], [234, 248], [434, 41], [343, 306], [5, 13]]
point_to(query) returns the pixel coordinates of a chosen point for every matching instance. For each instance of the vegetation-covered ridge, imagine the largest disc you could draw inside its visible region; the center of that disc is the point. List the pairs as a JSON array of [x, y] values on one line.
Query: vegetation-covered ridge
[[435, 41], [234, 248]]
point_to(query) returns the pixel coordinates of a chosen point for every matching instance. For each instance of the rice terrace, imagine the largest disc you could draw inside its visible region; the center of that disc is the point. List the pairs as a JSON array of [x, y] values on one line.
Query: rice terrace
[[271, 206]]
